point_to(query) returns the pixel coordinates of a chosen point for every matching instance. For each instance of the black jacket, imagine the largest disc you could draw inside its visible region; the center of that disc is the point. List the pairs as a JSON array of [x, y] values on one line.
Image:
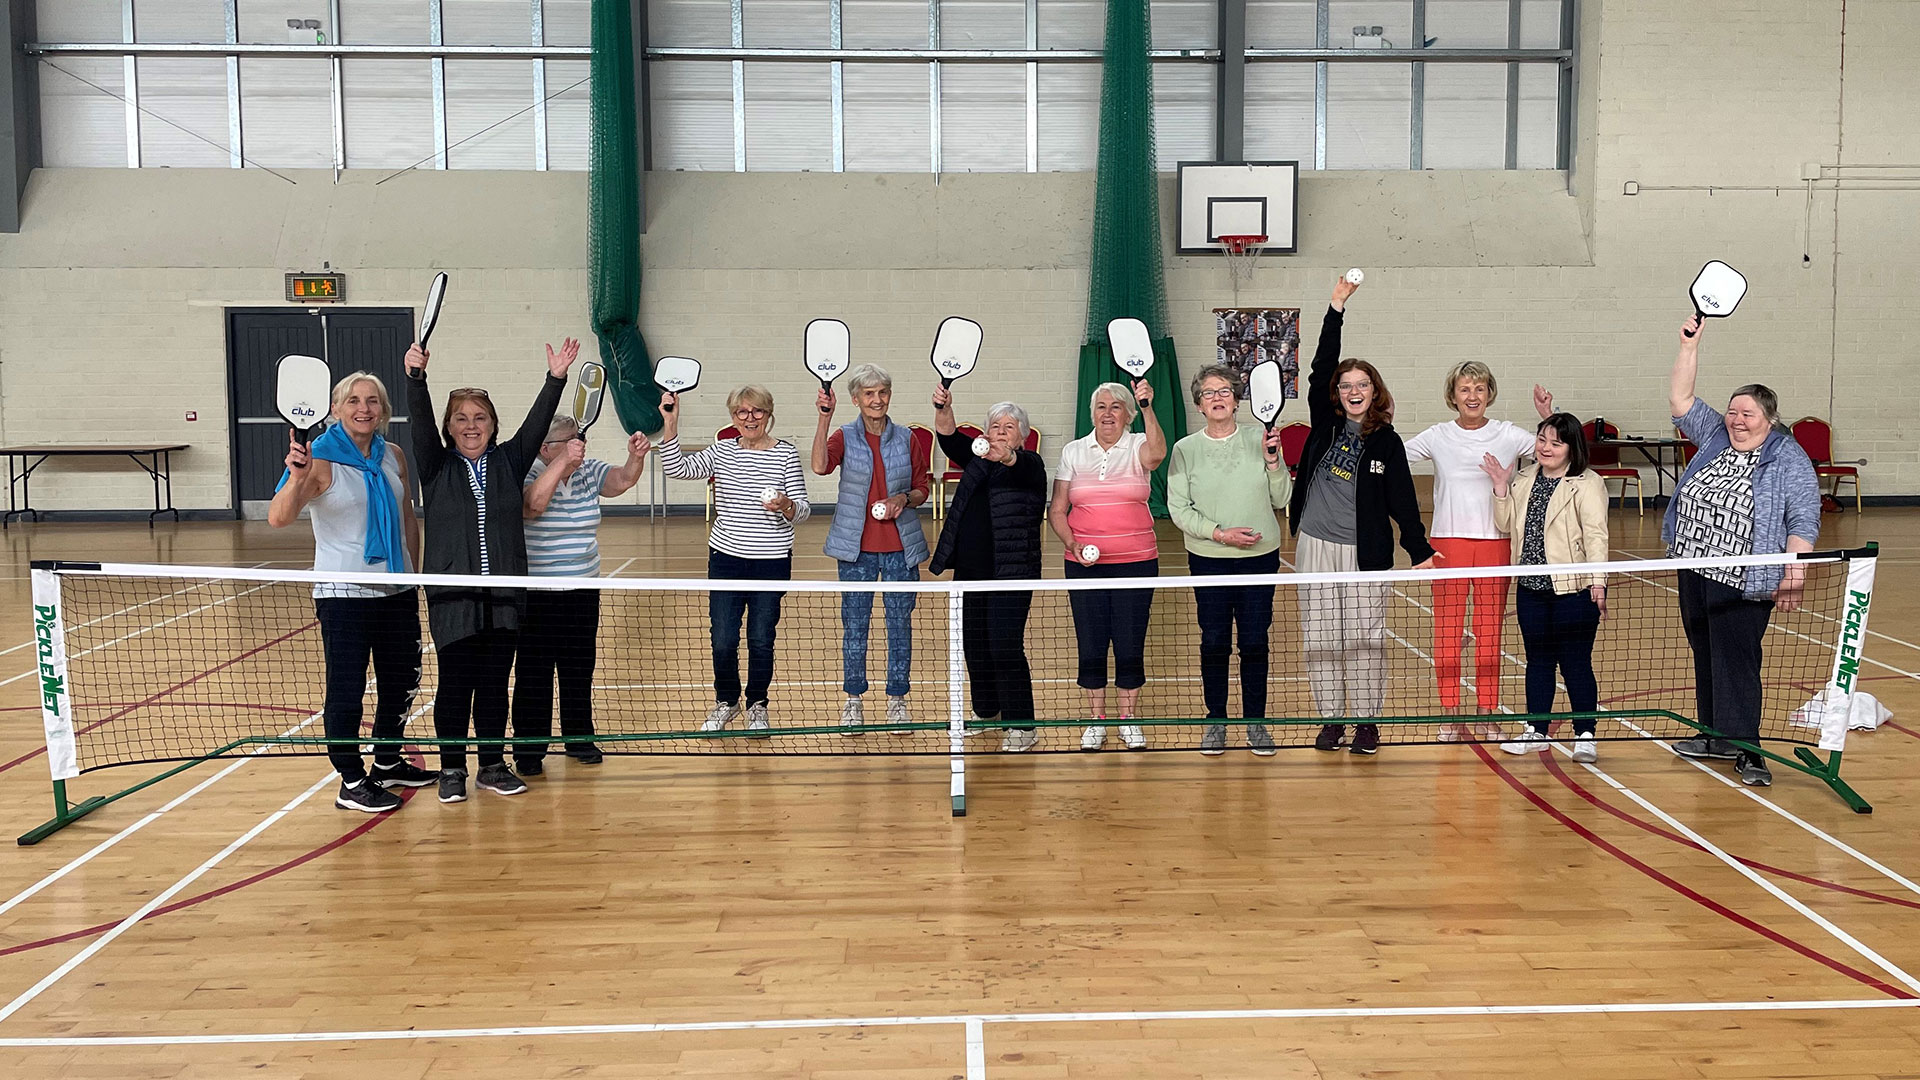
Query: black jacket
[[1017, 504], [453, 535], [1383, 489]]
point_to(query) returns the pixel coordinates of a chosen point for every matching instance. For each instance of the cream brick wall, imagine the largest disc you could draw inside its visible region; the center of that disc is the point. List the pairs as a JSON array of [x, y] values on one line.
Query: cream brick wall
[[111, 299]]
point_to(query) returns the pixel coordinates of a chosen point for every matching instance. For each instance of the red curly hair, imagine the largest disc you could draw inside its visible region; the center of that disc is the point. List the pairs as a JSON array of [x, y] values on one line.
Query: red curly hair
[[1380, 413]]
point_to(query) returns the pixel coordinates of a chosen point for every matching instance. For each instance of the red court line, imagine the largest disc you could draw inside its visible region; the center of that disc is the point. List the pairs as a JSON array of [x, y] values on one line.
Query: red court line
[[223, 665], [1902, 729], [336, 843], [1707, 902], [1552, 763]]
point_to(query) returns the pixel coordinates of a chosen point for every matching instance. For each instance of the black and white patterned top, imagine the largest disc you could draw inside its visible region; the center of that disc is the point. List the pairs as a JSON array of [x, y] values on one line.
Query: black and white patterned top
[[477, 479], [1533, 542], [1715, 514]]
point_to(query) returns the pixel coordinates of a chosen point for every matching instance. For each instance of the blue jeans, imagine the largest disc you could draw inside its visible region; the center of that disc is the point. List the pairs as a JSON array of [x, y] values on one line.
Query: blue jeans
[[762, 610], [856, 615]]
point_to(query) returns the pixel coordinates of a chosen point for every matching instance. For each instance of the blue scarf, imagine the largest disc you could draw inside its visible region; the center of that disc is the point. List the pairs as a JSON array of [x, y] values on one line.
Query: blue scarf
[[383, 543]]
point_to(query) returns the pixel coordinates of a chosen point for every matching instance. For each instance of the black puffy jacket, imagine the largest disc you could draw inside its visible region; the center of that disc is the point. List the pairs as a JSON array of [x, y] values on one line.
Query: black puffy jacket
[[1017, 503]]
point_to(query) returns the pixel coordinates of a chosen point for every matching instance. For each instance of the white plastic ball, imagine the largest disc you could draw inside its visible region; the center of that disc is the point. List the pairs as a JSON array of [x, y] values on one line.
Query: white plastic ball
[[1355, 277], [879, 511], [768, 494], [981, 446], [1089, 554]]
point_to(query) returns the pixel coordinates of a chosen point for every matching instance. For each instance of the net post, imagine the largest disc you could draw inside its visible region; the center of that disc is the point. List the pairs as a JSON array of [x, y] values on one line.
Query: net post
[[956, 705], [1848, 653]]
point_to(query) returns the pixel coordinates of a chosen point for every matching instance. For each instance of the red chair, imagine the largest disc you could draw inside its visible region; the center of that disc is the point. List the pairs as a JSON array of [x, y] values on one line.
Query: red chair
[[725, 433], [1604, 460], [1815, 436], [951, 475], [923, 443], [1033, 439], [1293, 443]]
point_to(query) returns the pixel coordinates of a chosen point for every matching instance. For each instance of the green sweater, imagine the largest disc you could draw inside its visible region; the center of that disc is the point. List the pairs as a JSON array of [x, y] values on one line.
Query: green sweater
[[1224, 484]]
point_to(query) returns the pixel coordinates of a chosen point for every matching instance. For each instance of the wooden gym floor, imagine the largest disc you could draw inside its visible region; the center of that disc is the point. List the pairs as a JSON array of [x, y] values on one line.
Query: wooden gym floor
[[1433, 912]]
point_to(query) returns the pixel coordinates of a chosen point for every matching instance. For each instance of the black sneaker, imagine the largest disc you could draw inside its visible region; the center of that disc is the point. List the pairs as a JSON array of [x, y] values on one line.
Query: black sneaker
[[453, 785], [585, 753], [1753, 770], [1703, 747], [367, 797], [526, 767], [402, 774], [1366, 739], [1329, 737], [499, 779]]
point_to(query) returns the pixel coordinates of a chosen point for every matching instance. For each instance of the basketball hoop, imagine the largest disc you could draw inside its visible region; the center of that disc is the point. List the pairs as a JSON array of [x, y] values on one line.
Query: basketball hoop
[[1242, 252]]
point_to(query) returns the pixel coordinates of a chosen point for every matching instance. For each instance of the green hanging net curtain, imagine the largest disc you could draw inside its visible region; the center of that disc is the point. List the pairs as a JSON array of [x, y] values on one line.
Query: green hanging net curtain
[[613, 222], [1126, 279]]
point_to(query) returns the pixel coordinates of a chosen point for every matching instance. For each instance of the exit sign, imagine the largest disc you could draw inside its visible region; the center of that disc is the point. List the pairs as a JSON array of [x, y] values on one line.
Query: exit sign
[[315, 288]]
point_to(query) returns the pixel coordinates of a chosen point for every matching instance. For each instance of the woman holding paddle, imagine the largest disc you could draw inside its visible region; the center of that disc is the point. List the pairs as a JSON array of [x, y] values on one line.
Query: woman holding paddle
[[470, 484], [355, 482], [1354, 488], [1222, 489]]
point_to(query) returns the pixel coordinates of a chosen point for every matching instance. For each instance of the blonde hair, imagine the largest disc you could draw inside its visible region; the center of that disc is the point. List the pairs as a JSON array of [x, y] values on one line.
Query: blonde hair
[[1472, 371], [754, 396], [345, 386]]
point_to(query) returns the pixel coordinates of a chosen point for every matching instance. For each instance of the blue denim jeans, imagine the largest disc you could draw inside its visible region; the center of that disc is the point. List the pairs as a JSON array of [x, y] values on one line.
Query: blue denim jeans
[[762, 610], [856, 615]]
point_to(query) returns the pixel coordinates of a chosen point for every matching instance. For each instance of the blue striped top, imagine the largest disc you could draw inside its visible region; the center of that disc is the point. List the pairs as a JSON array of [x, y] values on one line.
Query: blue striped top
[[564, 541]]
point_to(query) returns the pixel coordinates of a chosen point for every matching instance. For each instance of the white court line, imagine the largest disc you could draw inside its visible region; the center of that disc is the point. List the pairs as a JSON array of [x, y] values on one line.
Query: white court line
[[1350, 1013], [123, 611], [143, 630], [976, 1049], [1710, 848], [623, 566], [154, 816], [147, 908]]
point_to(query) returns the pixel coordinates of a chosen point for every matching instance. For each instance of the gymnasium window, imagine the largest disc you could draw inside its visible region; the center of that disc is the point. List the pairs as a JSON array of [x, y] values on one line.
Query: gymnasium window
[[726, 93]]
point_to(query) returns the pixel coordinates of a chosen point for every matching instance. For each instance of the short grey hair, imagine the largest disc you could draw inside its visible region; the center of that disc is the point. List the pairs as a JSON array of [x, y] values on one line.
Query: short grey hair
[[1118, 392], [1218, 371], [562, 427], [866, 375], [1762, 396], [1019, 415]]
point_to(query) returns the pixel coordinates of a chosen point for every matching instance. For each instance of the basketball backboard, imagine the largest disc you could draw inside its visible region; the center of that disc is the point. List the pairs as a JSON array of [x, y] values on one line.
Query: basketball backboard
[[1237, 198]]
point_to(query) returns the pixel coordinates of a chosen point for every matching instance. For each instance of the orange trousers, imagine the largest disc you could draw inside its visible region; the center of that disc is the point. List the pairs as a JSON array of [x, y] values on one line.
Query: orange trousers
[[1489, 597]]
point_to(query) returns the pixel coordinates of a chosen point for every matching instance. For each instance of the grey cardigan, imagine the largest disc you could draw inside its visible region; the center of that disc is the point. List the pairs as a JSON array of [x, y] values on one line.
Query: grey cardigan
[[1786, 495]]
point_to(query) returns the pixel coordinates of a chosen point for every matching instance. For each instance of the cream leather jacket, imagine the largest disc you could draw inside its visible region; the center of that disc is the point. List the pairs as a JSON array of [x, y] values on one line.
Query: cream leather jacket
[[1576, 529]]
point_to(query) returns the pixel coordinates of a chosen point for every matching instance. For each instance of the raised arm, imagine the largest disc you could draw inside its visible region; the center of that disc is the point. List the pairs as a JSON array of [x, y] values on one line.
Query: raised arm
[[540, 492], [943, 422], [1326, 356], [821, 459], [621, 480], [1154, 450], [525, 445], [1686, 367], [428, 450], [306, 479]]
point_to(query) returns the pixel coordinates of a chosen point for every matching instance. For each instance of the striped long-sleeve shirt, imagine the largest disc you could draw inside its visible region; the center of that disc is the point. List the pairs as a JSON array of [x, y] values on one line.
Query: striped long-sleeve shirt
[[742, 527]]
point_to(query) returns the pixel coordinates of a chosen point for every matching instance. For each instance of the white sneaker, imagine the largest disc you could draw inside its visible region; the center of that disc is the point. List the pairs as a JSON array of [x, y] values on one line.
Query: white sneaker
[[757, 718], [1451, 733], [1585, 751], [1133, 737], [1093, 738], [1528, 742], [720, 716], [976, 724], [852, 715], [897, 714], [1018, 741]]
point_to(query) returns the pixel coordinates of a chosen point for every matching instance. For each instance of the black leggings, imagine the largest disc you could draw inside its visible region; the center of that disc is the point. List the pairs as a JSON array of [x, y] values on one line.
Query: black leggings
[[993, 636], [1558, 629], [557, 636], [387, 628], [1116, 617], [473, 682], [1219, 609], [1725, 629]]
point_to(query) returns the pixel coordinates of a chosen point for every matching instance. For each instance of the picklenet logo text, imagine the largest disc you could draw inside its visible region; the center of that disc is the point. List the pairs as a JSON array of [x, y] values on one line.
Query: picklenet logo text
[[1857, 602], [53, 687]]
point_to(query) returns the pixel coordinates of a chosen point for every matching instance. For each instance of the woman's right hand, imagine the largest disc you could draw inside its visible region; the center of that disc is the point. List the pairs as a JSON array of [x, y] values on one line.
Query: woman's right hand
[[298, 456], [1342, 288], [1237, 536], [942, 398], [823, 400], [669, 416], [1502, 474], [1690, 330], [417, 360]]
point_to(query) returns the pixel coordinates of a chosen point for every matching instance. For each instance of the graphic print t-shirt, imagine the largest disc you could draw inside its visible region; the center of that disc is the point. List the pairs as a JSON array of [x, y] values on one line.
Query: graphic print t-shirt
[[1330, 510]]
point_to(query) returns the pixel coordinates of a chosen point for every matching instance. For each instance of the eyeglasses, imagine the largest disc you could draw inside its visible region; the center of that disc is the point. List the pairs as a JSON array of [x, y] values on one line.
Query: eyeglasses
[[1217, 392], [751, 414], [562, 442], [1354, 387], [469, 391]]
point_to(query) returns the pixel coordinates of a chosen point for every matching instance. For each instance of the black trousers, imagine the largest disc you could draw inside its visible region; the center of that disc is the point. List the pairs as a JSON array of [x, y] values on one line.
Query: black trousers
[[1558, 630], [473, 684], [352, 629], [1724, 629], [1219, 609], [557, 638], [993, 636], [1117, 618]]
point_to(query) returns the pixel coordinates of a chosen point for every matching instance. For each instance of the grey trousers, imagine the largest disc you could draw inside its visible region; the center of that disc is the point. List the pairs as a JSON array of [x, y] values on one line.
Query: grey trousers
[[1344, 627]]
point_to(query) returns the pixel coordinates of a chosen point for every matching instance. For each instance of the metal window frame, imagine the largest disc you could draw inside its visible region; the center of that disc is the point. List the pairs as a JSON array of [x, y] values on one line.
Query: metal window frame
[[537, 13], [130, 88]]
